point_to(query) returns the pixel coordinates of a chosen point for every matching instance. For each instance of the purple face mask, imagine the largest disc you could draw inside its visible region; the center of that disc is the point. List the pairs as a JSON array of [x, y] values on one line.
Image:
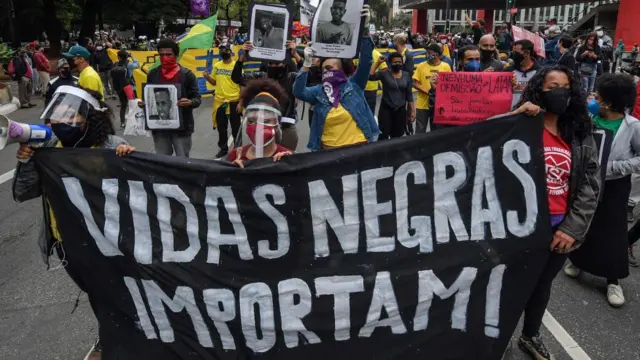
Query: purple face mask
[[331, 81]]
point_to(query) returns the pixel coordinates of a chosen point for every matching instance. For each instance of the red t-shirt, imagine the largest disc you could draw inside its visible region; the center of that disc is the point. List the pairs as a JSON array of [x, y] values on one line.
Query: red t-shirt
[[243, 152], [557, 159]]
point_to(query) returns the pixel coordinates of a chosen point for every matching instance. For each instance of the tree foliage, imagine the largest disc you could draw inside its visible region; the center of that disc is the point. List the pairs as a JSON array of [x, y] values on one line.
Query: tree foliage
[[401, 20]]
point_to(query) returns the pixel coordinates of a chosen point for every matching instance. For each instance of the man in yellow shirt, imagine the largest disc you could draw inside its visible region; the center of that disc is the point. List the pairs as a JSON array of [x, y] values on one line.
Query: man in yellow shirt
[[227, 94], [422, 83], [89, 78], [371, 90]]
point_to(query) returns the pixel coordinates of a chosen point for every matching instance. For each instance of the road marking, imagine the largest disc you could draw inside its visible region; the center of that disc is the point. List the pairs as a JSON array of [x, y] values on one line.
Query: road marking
[[7, 176], [89, 353], [566, 341]]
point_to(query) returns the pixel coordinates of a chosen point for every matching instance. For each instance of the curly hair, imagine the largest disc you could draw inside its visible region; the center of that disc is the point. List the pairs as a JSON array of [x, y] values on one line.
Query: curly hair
[[347, 65], [617, 90], [256, 86], [99, 122], [395, 55], [575, 123]]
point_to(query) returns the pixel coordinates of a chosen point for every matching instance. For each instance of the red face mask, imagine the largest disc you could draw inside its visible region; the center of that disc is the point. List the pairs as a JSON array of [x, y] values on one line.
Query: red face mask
[[268, 133], [169, 66]]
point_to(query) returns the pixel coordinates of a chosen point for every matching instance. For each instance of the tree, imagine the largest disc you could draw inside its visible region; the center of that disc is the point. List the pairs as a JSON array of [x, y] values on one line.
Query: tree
[[52, 27], [401, 20]]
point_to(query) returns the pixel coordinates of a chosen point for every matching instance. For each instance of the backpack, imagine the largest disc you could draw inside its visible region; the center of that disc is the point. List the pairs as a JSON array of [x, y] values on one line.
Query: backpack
[[17, 68], [119, 76]]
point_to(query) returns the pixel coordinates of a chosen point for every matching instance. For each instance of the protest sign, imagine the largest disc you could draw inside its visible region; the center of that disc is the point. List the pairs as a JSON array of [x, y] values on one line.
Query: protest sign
[[464, 98], [523, 34], [390, 251]]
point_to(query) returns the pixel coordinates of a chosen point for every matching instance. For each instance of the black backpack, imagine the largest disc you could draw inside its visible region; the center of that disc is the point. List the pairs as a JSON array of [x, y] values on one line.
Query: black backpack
[[119, 76]]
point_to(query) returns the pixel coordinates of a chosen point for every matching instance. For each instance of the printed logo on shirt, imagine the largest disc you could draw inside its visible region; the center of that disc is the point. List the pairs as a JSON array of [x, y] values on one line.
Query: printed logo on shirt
[[223, 72], [557, 167]]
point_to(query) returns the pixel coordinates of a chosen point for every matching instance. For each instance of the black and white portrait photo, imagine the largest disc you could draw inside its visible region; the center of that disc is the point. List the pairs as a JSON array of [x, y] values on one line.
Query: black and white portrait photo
[[335, 30], [161, 107], [268, 31]]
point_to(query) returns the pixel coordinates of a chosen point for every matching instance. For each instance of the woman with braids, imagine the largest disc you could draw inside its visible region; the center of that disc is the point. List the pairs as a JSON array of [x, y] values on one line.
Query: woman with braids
[[261, 122], [79, 119], [605, 251], [573, 182]]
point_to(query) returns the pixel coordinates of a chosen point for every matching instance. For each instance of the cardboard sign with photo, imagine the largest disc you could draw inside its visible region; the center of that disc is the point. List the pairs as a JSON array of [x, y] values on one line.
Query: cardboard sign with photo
[[336, 28], [161, 107], [268, 31]]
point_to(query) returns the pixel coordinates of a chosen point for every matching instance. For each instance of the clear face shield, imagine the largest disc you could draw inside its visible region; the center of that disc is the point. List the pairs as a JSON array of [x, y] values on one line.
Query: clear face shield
[[261, 124], [69, 106]]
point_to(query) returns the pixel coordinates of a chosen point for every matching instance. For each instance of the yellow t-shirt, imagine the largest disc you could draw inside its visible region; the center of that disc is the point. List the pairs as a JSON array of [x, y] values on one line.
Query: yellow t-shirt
[[423, 75], [340, 129], [373, 85], [89, 79], [226, 89]]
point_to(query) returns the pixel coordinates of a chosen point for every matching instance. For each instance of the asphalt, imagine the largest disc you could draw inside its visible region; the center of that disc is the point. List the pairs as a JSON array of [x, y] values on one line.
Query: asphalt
[[39, 319]]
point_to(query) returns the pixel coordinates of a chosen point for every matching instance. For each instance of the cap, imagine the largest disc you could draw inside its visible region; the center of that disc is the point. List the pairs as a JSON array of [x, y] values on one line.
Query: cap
[[223, 47], [78, 51], [435, 48], [62, 62]]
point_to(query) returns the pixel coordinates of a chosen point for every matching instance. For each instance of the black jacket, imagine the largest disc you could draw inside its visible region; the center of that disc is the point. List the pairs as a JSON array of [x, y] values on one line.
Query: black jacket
[[567, 59], [586, 59], [55, 84], [289, 107], [190, 91]]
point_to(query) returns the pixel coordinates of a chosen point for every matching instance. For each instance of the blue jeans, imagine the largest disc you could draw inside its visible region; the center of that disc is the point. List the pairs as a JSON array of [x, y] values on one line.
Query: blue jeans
[[589, 81]]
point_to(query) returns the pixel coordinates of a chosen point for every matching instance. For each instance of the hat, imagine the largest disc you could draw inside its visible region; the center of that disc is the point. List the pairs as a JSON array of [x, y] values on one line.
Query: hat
[[223, 47], [62, 62], [435, 48], [78, 51]]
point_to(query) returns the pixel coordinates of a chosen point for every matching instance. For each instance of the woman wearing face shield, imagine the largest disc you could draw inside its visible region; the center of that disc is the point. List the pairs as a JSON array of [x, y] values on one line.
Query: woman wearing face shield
[[341, 116], [605, 251], [79, 119], [261, 122]]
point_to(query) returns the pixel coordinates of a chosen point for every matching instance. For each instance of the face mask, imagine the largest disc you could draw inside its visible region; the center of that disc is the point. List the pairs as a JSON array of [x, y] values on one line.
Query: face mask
[[168, 61], [594, 107], [517, 58], [600, 33], [331, 83], [69, 136], [472, 66], [268, 133], [556, 101], [396, 67], [275, 72], [443, 41], [225, 55], [65, 73], [487, 54], [430, 57]]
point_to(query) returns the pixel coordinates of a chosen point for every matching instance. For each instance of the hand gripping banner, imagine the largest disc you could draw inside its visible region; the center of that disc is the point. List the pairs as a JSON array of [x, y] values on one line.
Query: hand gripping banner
[[422, 247]]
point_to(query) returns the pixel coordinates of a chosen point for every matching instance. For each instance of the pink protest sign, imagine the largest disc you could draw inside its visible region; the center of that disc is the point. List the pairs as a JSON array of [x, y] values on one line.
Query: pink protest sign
[[522, 34]]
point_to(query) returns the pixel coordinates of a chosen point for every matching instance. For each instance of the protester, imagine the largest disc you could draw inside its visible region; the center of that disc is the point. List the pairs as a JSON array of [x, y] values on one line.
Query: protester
[[35, 80], [176, 142], [488, 60], [120, 80], [21, 72], [341, 116], [605, 251], [504, 38], [566, 57], [606, 47], [225, 103], [79, 119], [89, 78], [477, 28], [573, 183], [285, 74], [103, 65], [422, 83], [400, 42], [588, 56], [525, 66], [43, 67], [64, 79], [397, 95], [551, 44], [371, 90], [261, 117], [617, 55]]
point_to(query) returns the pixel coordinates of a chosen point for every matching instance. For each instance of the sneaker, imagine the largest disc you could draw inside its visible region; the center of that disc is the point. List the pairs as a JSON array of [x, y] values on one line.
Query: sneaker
[[96, 352], [122, 125], [535, 348], [221, 153], [633, 262], [571, 270], [630, 216], [615, 296]]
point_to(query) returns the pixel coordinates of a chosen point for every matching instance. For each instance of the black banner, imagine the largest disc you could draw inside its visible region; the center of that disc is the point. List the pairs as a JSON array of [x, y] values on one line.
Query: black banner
[[422, 247]]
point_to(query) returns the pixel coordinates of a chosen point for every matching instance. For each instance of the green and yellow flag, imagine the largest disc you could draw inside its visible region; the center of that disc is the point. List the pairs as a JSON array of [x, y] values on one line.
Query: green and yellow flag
[[200, 36]]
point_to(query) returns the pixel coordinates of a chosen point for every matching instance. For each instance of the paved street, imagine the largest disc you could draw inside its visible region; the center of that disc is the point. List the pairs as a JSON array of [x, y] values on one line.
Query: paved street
[[38, 320]]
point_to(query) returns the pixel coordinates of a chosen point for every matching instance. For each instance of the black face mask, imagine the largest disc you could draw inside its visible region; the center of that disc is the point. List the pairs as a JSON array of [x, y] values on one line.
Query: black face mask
[[69, 136], [556, 100], [396, 67], [65, 73], [275, 72], [517, 58], [486, 54], [225, 56]]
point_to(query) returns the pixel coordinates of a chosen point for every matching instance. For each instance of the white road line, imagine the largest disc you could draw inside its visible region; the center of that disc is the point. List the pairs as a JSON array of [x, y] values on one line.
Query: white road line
[[7, 176], [566, 341], [89, 353]]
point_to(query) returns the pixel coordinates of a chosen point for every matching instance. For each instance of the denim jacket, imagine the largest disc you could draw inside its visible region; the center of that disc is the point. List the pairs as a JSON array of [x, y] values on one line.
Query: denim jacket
[[351, 98]]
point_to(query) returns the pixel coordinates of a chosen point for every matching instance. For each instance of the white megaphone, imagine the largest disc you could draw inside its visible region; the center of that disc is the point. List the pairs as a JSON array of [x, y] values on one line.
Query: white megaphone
[[15, 132]]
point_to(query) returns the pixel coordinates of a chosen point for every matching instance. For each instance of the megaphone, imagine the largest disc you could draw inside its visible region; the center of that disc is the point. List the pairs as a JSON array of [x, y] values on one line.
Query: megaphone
[[15, 132]]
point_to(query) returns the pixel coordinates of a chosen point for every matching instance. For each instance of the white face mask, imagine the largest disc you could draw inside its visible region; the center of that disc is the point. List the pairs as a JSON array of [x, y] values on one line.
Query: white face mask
[[443, 41]]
